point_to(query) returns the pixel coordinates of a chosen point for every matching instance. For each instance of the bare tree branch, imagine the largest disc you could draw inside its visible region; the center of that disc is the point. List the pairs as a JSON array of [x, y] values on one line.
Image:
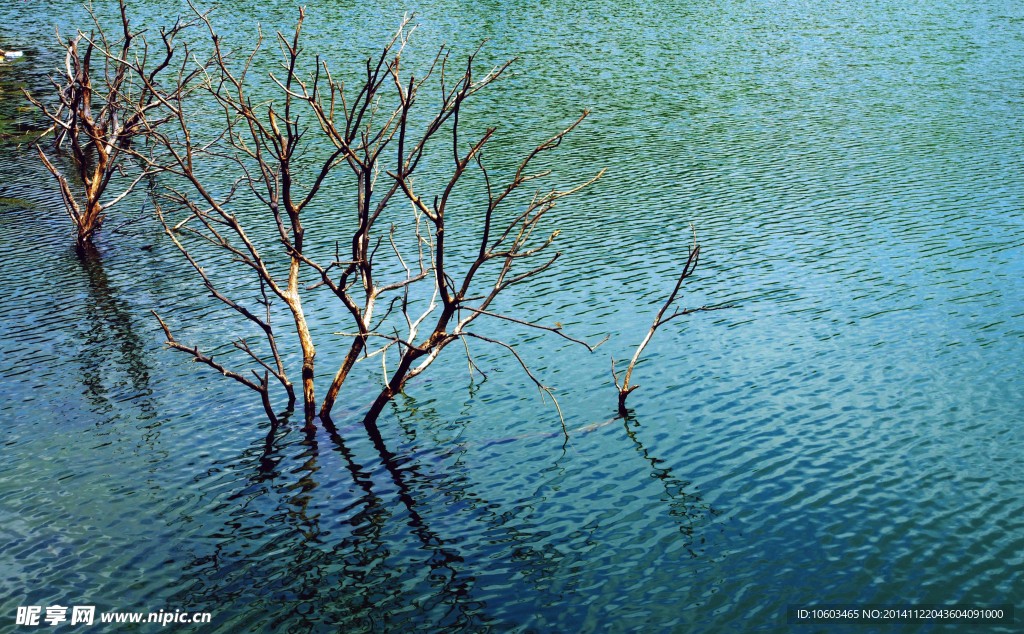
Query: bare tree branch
[[379, 126], [659, 320], [199, 357], [557, 330]]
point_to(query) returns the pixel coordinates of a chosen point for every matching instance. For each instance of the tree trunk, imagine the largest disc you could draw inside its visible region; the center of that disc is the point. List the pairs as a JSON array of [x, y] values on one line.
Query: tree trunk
[[622, 402], [308, 354], [370, 421], [267, 407], [88, 224], [393, 387], [339, 378]]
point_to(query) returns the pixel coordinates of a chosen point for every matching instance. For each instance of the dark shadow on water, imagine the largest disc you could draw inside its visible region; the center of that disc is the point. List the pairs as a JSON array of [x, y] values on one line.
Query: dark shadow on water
[[112, 357], [397, 545], [686, 506], [383, 536], [315, 581]]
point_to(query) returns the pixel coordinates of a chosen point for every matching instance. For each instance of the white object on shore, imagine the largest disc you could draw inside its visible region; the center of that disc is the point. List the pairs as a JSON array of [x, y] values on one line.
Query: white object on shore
[[12, 53]]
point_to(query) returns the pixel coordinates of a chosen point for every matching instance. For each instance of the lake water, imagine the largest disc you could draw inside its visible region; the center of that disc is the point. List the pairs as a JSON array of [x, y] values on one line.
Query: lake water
[[851, 432]]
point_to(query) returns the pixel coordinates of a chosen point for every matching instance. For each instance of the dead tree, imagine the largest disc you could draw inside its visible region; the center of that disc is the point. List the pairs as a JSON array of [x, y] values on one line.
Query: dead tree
[[362, 148], [360, 135], [659, 320], [99, 113], [271, 151]]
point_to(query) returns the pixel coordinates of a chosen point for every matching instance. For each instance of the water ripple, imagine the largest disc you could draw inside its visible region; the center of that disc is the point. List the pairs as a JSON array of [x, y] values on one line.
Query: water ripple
[[848, 433]]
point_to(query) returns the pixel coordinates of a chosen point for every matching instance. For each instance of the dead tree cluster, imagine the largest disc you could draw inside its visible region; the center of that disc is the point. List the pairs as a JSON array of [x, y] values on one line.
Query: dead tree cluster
[[405, 297]]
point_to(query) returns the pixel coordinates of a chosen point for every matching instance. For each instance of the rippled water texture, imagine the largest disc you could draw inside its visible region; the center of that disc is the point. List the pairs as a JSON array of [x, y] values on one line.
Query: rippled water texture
[[851, 432]]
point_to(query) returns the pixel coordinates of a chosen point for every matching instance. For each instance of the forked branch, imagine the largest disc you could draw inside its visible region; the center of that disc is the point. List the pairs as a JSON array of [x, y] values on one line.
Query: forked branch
[[660, 319], [505, 244], [260, 385]]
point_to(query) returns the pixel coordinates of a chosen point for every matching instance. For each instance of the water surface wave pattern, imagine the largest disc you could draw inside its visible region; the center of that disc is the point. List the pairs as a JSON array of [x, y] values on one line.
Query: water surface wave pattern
[[849, 433]]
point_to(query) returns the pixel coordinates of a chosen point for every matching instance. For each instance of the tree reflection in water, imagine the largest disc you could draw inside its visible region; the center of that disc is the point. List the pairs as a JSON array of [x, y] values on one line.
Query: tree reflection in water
[[108, 344], [414, 546], [686, 506], [368, 580]]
